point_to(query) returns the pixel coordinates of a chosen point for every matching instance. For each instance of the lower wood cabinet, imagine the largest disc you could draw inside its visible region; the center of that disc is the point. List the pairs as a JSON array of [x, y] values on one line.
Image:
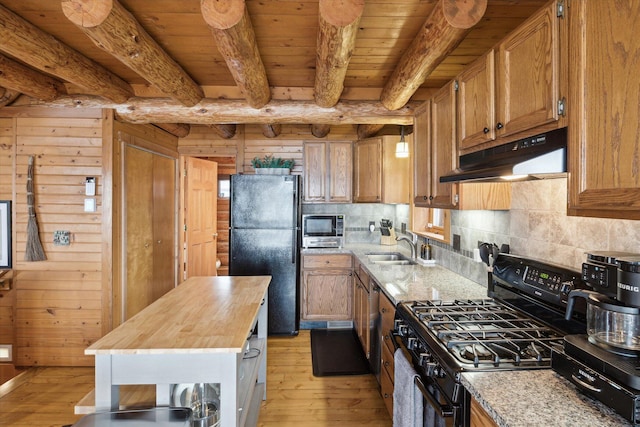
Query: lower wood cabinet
[[327, 282], [480, 417], [361, 308], [387, 314]]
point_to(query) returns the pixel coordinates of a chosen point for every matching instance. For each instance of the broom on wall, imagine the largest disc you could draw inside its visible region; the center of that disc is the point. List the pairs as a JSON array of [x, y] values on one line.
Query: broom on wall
[[34, 251]]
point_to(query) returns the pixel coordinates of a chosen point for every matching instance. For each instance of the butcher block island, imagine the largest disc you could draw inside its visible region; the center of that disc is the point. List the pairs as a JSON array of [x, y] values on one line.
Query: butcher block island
[[199, 332]]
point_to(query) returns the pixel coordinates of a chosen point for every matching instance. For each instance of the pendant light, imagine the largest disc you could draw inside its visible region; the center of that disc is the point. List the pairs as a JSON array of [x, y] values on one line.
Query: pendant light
[[402, 147]]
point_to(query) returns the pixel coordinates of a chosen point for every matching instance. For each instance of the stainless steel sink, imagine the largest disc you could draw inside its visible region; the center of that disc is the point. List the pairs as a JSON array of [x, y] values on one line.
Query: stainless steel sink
[[389, 258]]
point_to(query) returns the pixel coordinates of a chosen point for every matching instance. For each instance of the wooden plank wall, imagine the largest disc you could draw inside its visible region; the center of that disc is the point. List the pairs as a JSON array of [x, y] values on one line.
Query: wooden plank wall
[[7, 298], [58, 310]]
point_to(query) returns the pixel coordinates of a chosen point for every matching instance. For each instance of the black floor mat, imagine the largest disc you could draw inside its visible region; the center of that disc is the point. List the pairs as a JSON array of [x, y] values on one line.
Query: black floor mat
[[337, 352]]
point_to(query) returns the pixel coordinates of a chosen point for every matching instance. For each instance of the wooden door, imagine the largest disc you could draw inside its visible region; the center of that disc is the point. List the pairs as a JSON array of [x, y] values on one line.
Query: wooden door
[[340, 171], [444, 157], [528, 75], [315, 172], [604, 131], [150, 183], [368, 173], [164, 226], [201, 193], [476, 103], [422, 155], [138, 286]]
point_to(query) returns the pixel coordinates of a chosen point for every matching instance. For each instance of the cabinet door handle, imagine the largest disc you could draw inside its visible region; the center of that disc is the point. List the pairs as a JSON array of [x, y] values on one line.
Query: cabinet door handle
[[485, 130], [499, 126], [383, 310]]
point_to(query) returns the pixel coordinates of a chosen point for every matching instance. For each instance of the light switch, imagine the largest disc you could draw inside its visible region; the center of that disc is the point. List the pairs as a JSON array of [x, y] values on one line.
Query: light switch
[[90, 186], [90, 205]]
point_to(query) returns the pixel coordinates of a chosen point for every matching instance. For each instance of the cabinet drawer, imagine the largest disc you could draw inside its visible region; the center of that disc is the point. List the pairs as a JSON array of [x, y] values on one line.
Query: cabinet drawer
[[386, 390], [386, 361], [326, 261]]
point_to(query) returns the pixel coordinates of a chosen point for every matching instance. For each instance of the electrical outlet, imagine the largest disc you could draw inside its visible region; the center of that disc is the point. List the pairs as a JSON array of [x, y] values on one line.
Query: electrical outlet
[[372, 226], [456, 242]]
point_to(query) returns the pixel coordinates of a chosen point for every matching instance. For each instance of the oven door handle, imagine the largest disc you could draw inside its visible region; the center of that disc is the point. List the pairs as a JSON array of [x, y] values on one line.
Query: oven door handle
[[444, 412]]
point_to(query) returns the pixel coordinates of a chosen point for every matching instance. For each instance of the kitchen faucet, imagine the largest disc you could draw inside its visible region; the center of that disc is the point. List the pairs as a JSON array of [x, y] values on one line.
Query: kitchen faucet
[[413, 243]]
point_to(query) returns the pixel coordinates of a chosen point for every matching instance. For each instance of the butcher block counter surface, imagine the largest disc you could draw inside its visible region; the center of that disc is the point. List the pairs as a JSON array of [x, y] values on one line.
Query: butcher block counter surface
[[202, 315]]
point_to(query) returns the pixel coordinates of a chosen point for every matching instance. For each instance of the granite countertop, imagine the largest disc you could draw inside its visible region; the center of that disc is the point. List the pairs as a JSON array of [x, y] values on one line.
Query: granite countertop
[[532, 398], [527, 398], [411, 282]]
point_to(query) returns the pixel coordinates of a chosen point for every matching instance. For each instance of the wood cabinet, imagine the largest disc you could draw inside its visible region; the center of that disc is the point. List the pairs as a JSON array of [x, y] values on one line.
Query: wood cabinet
[[480, 417], [387, 314], [380, 176], [516, 89], [361, 287], [604, 131], [436, 154], [328, 171], [326, 287]]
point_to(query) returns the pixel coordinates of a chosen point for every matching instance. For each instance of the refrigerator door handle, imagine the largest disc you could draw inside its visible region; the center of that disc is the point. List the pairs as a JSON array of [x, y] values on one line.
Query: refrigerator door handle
[[294, 246]]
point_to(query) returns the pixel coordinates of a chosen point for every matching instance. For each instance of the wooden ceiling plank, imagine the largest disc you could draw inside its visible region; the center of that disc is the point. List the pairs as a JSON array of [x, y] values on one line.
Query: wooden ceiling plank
[[14, 75], [220, 111], [232, 30], [29, 44], [442, 32], [114, 29], [338, 21]]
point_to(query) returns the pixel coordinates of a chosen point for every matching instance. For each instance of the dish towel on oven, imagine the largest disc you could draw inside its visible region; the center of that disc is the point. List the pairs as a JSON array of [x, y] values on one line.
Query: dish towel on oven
[[407, 398]]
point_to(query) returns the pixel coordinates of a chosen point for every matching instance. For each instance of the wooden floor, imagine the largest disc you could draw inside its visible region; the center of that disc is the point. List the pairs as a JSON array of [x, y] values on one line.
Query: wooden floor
[[46, 396]]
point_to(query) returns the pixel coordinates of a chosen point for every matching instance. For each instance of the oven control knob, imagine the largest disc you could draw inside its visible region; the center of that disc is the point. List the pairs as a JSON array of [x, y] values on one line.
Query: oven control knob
[[567, 287], [424, 359], [411, 343], [431, 368]]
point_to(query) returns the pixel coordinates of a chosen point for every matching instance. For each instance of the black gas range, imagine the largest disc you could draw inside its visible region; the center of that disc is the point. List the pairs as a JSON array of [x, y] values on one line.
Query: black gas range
[[518, 327]]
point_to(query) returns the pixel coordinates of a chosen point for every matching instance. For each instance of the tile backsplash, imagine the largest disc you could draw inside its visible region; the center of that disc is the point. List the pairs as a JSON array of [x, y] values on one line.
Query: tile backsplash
[[537, 226]]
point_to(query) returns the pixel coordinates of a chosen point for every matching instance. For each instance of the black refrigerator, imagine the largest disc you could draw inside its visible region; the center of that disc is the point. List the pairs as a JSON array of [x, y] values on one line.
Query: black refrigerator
[[264, 239]]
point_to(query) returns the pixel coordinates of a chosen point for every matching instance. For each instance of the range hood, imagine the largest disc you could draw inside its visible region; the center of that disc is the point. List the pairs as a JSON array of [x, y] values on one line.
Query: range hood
[[538, 157]]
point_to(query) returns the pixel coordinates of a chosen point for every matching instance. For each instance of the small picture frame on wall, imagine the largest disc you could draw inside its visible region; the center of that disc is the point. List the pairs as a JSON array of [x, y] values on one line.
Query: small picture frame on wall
[[5, 234]]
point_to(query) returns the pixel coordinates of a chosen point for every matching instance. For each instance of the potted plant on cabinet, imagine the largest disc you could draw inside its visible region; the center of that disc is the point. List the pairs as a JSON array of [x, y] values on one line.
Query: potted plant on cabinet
[[272, 165]]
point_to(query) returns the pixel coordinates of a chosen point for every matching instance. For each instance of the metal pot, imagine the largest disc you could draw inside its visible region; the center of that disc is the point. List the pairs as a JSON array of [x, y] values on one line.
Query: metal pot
[[202, 398], [611, 324], [628, 291]]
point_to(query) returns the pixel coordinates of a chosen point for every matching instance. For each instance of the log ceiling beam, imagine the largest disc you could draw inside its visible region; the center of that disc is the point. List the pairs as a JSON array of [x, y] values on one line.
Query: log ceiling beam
[[320, 131], [231, 27], [444, 29], [7, 96], [112, 28], [29, 44], [208, 111], [338, 27], [178, 129], [367, 131], [14, 75], [226, 131], [271, 130]]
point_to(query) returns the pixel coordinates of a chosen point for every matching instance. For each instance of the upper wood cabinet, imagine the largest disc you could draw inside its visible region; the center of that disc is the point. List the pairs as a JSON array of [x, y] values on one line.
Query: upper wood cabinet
[[380, 176], [434, 148], [604, 129], [327, 171], [435, 155], [516, 89]]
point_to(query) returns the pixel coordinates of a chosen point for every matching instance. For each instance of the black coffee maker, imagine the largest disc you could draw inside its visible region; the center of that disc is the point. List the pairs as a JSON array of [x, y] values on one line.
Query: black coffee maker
[[605, 363]]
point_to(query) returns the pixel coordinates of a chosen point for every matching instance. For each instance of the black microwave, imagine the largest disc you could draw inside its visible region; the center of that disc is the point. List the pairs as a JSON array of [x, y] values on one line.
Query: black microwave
[[322, 231]]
